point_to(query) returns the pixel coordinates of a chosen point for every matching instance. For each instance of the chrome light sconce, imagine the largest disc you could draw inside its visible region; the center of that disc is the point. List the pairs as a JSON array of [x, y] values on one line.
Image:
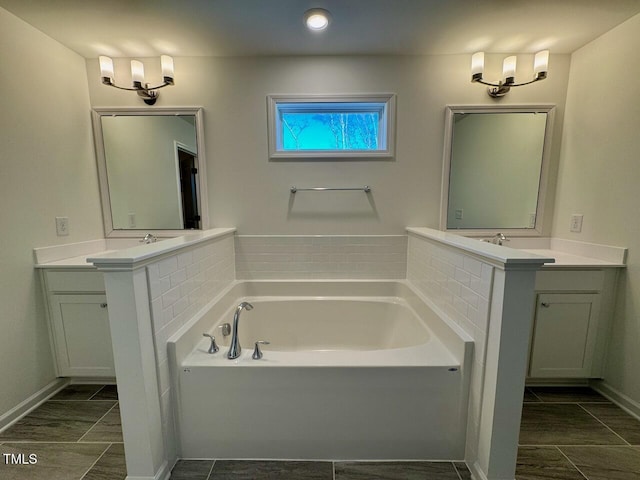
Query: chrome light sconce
[[500, 89], [148, 94]]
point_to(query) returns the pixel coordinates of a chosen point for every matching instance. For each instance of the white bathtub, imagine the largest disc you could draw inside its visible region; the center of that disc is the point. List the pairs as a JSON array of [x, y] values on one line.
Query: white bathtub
[[355, 370]]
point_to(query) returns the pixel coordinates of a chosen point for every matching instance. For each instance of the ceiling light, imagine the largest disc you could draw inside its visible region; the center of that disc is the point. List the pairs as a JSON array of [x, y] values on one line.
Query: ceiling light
[[317, 19]]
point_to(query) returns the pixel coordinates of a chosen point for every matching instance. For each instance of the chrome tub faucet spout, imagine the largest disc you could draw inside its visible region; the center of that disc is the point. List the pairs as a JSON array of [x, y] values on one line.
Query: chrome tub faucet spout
[[235, 349]]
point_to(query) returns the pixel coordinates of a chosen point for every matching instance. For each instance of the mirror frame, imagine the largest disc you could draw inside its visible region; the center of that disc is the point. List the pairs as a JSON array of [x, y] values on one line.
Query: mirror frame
[[450, 111], [97, 114]]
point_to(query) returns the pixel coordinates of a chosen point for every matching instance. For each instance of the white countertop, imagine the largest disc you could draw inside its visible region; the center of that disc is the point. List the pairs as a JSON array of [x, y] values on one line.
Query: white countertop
[[84, 255], [555, 252], [564, 259], [79, 261], [144, 253], [496, 253]]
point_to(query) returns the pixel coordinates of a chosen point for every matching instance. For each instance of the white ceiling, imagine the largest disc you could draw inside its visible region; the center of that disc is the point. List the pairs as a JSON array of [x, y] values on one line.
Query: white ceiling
[[274, 27]]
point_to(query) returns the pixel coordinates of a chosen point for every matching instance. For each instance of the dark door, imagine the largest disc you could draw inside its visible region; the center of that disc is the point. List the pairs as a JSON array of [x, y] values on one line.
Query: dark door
[[188, 185]]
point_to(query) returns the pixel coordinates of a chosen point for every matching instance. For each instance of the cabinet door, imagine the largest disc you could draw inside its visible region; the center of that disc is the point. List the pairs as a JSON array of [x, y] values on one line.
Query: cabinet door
[[82, 335], [564, 335]]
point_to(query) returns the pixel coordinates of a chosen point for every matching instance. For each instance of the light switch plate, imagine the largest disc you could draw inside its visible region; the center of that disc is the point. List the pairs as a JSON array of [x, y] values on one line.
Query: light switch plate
[[62, 226], [576, 223]]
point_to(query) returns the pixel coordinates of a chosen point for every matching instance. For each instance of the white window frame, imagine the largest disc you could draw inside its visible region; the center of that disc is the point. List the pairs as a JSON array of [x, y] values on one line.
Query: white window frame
[[310, 103]]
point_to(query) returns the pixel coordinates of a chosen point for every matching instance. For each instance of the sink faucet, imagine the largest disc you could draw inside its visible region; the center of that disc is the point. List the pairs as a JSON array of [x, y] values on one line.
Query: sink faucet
[[498, 238], [235, 349], [149, 238]]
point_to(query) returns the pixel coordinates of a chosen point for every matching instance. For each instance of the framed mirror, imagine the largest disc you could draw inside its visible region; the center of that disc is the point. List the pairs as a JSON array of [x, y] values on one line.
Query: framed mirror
[[495, 169], [151, 169]]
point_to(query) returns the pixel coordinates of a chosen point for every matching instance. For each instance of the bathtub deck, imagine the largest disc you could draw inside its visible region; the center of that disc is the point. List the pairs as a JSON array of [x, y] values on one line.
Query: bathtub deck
[[432, 354]]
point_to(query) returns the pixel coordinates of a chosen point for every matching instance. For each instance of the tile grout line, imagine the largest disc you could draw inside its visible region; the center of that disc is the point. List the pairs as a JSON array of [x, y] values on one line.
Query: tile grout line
[[99, 390], [607, 426], [333, 469], [533, 393], [75, 400], [98, 421], [455, 469], [6, 442], [209, 477], [97, 460], [608, 445], [573, 464], [543, 402]]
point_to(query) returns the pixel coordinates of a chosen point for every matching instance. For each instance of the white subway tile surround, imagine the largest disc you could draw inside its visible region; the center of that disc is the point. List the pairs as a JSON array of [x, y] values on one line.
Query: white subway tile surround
[[268, 257], [460, 286], [179, 286]]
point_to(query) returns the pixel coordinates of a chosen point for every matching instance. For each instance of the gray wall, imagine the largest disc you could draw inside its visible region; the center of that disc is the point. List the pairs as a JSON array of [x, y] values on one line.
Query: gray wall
[[600, 175], [47, 169], [248, 191]]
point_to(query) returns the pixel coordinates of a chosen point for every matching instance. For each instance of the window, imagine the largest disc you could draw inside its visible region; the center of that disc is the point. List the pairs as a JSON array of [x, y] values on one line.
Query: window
[[331, 127]]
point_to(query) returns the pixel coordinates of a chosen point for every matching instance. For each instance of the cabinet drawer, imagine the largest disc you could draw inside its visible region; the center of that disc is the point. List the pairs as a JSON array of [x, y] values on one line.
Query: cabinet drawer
[[569, 280], [75, 281]]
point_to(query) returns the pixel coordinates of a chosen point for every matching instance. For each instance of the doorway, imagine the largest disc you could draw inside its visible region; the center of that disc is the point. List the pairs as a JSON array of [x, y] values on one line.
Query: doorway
[[187, 163]]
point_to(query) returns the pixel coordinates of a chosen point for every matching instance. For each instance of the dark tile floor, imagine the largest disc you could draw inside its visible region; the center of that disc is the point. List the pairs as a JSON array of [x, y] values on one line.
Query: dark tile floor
[[566, 434], [75, 435], [576, 434]]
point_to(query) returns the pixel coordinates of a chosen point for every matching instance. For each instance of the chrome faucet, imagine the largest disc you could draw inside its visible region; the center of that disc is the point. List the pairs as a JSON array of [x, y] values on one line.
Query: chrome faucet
[[149, 238], [498, 238], [235, 349]]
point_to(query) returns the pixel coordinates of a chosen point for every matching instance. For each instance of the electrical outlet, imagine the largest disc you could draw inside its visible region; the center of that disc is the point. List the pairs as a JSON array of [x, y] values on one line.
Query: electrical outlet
[[132, 220], [62, 226], [459, 213], [576, 223]]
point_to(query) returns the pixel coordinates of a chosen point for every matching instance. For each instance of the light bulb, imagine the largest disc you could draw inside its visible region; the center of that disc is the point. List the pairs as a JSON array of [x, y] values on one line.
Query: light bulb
[[166, 62], [541, 64], [509, 69], [106, 69], [477, 66], [137, 73], [317, 19]]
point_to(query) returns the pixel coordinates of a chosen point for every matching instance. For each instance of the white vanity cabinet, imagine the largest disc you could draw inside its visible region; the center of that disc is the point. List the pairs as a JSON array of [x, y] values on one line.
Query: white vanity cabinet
[[79, 322], [572, 322]]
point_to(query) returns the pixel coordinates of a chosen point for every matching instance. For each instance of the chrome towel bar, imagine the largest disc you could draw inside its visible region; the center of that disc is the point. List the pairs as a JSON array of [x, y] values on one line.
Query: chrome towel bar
[[365, 189]]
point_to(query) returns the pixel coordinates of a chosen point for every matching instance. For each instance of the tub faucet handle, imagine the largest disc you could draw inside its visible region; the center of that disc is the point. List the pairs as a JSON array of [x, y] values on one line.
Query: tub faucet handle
[[213, 348], [226, 329], [257, 353]]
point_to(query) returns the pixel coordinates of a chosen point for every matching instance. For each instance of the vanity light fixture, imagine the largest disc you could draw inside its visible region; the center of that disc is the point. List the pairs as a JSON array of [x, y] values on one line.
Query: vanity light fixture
[[317, 19], [148, 94], [500, 89]]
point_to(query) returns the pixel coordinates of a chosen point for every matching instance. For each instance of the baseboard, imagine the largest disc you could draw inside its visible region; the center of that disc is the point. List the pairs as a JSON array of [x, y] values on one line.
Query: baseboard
[[34, 401], [163, 474], [93, 381], [628, 404], [556, 382], [476, 472]]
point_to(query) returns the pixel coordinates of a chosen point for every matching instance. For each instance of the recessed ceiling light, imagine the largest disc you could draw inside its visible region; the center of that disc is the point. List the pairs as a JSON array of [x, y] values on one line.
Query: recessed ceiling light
[[317, 19]]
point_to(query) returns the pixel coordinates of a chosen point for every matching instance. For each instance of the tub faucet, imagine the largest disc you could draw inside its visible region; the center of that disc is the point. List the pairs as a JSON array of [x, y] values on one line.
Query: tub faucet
[[235, 349]]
